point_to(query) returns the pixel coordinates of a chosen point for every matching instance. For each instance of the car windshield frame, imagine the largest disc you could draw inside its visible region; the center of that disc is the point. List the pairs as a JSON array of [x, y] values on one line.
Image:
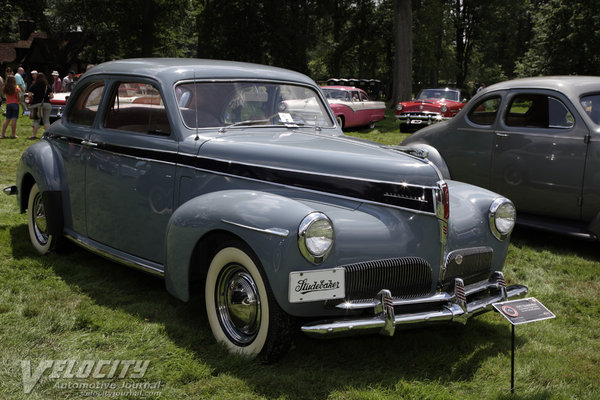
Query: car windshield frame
[[231, 104], [456, 94]]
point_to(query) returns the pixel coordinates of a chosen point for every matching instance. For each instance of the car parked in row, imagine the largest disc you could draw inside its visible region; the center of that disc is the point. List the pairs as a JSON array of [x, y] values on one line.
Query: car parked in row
[[237, 176], [430, 106], [352, 106], [534, 140]]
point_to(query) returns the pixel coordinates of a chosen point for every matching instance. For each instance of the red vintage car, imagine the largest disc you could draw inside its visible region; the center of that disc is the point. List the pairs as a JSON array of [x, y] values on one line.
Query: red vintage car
[[352, 106], [430, 106]]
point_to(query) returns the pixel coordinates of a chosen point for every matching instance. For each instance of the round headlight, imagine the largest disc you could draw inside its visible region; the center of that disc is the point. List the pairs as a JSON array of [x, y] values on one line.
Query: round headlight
[[399, 107], [444, 108], [502, 218], [315, 237]]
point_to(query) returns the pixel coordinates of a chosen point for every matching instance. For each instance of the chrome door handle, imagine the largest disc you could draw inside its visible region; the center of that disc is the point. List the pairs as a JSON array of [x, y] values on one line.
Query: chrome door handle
[[89, 143], [500, 134]]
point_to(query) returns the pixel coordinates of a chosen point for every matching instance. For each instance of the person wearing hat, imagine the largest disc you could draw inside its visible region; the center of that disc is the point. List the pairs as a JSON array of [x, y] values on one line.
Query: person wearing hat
[[56, 83]]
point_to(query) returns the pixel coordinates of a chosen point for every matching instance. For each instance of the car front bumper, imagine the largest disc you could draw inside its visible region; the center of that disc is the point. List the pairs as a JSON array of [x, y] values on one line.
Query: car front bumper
[[390, 313], [56, 112], [422, 118]]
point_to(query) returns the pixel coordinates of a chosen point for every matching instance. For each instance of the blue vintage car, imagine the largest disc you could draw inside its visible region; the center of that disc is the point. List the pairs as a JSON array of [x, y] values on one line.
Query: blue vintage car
[[238, 176]]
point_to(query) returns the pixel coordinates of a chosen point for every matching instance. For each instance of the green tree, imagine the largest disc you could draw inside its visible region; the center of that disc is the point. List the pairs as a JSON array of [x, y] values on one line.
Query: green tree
[[565, 40]]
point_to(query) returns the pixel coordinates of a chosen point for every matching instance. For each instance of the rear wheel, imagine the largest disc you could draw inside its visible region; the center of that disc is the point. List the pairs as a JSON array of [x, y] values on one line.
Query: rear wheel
[[41, 240], [241, 308], [340, 121]]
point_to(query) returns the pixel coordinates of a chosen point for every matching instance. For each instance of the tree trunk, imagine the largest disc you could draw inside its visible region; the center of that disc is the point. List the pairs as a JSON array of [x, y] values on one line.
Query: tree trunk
[[148, 29], [402, 86]]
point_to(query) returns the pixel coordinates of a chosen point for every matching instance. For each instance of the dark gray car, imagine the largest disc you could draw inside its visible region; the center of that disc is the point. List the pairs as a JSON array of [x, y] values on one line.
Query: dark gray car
[[536, 141]]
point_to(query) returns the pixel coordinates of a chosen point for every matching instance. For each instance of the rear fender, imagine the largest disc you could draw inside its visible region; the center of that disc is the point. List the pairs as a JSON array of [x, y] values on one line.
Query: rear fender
[[266, 222]]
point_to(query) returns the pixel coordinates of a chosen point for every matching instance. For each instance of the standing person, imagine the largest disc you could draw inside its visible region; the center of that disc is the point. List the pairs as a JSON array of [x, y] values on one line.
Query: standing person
[[33, 73], [21, 84], [56, 83], [42, 93], [68, 82], [12, 93]]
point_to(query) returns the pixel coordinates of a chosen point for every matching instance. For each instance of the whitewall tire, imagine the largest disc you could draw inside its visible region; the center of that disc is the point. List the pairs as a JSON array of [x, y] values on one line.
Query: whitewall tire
[[41, 240], [241, 309]]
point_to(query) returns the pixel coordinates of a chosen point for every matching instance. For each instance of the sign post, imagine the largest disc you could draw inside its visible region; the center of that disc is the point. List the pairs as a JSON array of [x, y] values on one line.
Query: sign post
[[519, 312]]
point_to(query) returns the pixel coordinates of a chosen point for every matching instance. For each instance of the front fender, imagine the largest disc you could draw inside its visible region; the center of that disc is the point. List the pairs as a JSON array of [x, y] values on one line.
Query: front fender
[[267, 222], [469, 224], [39, 164]]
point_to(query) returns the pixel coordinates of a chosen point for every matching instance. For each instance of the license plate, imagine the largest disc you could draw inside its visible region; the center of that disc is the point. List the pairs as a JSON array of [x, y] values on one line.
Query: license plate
[[416, 121], [324, 284]]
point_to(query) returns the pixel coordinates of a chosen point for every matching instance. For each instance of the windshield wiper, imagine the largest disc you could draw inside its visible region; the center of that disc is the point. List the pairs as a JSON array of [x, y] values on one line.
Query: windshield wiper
[[247, 122]]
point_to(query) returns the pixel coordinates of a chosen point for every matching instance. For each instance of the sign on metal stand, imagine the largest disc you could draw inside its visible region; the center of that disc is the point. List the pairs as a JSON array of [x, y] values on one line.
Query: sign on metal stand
[[519, 312]]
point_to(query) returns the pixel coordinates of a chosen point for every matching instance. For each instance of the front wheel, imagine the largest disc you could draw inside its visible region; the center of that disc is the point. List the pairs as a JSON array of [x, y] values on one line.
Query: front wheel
[[241, 309], [41, 240]]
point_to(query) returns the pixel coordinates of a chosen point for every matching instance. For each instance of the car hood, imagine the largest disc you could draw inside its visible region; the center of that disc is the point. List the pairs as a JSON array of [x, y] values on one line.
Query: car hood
[[427, 105], [336, 164]]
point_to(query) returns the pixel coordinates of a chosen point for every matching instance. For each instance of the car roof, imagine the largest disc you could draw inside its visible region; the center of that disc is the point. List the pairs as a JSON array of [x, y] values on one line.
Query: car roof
[[342, 88], [171, 70], [572, 86]]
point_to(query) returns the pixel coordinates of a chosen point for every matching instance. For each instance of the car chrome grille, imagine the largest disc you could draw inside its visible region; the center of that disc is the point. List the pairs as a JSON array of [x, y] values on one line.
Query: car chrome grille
[[406, 278], [471, 265]]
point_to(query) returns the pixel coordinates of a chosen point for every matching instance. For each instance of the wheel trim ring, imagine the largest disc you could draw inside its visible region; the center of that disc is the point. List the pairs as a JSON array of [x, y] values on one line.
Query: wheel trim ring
[[38, 215], [225, 285]]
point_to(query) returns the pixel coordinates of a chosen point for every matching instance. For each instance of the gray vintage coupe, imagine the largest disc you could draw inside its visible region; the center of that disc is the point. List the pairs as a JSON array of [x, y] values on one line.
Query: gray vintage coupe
[[237, 175], [536, 141]]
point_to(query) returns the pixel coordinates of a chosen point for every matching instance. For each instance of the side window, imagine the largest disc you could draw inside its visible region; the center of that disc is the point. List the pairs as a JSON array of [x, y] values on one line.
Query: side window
[[591, 105], [363, 97], [85, 107], [484, 113], [137, 107], [538, 111]]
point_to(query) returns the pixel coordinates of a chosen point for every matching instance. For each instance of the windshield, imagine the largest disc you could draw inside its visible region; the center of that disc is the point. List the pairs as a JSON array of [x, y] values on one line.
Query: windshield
[[591, 104], [335, 94], [231, 104], [438, 94]]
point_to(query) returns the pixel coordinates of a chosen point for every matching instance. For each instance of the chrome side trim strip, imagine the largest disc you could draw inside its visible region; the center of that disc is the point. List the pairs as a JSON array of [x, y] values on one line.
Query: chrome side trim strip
[[117, 256], [271, 231]]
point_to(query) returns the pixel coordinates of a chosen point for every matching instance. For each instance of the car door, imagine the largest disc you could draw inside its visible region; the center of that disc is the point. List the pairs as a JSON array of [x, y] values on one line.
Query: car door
[[467, 145], [72, 144], [539, 154], [130, 173]]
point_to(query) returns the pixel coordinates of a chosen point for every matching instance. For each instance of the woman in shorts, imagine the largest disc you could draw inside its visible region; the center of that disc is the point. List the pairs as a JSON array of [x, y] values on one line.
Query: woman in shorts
[[42, 93], [13, 94]]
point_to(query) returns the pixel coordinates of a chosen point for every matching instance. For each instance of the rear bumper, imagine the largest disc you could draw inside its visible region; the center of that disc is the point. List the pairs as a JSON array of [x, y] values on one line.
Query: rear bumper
[[458, 306], [11, 190]]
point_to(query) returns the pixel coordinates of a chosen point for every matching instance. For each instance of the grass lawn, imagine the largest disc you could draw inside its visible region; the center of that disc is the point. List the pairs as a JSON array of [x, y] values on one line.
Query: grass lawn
[[76, 306]]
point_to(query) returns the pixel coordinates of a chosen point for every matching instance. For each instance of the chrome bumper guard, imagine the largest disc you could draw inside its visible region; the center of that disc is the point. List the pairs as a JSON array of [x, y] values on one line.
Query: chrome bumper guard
[[423, 118], [10, 191], [453, 307]]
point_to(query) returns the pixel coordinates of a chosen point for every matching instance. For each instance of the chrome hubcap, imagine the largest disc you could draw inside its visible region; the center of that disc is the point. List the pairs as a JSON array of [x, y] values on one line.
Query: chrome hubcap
[[39, 220], [238, 304]]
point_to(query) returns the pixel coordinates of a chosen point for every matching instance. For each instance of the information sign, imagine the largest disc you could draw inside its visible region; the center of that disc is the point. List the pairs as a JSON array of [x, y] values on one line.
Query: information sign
[[522, 311]]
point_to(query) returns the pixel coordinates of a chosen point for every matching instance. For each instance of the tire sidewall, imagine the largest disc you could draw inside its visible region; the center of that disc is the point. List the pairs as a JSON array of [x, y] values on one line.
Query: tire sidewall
[[42, 248], [225, 256]]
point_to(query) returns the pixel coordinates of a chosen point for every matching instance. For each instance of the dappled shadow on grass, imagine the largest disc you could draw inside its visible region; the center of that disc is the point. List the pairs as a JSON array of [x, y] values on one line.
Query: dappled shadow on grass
[[313, 368], [557, 244]]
